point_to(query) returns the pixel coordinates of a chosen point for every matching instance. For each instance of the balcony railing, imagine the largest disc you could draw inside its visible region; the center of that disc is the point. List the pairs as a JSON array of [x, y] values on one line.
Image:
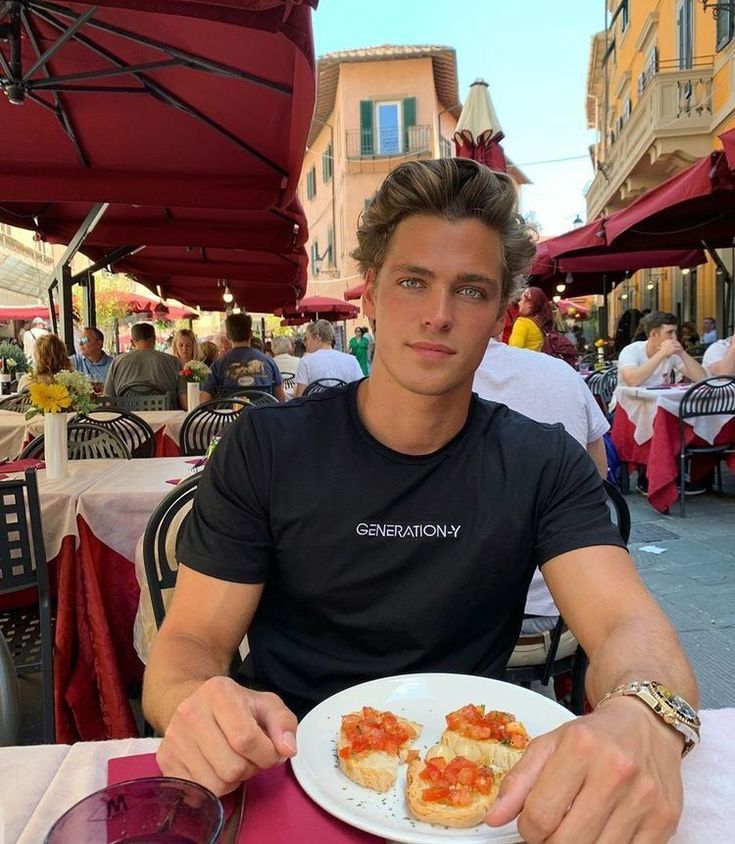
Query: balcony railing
[[378, 143], [674, 112]]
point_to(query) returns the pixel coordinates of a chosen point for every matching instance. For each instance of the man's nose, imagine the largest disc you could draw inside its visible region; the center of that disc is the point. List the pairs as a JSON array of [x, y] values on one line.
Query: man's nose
[[438, 313]]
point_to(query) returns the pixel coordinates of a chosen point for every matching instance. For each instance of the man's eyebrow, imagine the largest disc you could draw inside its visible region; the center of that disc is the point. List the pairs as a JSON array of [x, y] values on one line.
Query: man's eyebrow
[[416, 269]]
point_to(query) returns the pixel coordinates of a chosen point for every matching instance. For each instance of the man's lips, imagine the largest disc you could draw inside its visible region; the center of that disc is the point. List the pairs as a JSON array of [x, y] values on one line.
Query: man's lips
[[434, 351]]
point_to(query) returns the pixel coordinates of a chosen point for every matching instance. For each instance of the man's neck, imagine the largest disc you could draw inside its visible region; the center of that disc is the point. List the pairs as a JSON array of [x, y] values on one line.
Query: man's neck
[[652, 346], [97, 359], [243, 344], [424, 424]]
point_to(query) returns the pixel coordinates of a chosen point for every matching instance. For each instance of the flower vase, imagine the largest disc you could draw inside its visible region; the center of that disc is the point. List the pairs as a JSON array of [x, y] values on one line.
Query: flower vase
[[56, 455], [192, 395]]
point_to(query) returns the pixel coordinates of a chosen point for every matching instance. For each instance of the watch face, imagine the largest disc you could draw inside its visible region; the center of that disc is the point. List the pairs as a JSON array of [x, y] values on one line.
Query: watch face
[[682, 708]]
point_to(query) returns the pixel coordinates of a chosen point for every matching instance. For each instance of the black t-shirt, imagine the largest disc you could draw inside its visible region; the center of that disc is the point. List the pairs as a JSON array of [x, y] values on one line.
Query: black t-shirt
[[378, 563]]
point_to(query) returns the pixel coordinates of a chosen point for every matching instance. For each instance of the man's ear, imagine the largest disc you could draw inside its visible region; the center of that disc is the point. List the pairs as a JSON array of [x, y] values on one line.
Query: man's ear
[[368, 295], [499, 324]]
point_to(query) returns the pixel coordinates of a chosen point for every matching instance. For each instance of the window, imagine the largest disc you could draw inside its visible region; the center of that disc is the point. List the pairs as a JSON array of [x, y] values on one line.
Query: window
[[311, 183], [650, 69], [387, 128], [725, 27], [327, 163], [624, 16], [330, 246], [685, 33], [315, 258], [445, 148]]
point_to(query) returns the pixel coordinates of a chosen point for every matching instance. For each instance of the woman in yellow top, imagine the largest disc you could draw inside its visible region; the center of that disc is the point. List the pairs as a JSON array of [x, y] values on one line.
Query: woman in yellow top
[[534, 319]]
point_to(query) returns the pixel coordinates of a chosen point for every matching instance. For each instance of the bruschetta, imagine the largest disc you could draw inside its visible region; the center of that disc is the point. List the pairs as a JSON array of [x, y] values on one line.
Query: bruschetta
[[449, 789], [500, 738], [371, 746]]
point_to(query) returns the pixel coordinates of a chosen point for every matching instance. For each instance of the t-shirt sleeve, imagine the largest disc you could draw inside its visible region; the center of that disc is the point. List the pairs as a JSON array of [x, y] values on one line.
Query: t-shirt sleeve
[[714, 353], [628, 357], [573, 510], [275, 372], [227, 534], [302, 372], [597, 425]]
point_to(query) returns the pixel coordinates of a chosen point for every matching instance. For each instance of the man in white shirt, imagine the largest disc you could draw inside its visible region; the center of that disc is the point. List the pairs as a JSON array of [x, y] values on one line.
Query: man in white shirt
[[545, 389], [709, 332], [322, 361], [37, 329], [719, 359], [649, 363]]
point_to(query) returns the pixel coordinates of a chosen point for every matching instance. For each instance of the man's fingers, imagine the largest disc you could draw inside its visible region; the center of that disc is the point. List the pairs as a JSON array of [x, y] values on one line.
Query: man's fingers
[[277, 721], [519, 781], [191, 764], [237, 718]]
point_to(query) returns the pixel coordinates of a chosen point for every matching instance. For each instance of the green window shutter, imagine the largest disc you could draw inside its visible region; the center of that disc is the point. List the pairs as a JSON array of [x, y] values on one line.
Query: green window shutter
[[409, 120], [366, 127]]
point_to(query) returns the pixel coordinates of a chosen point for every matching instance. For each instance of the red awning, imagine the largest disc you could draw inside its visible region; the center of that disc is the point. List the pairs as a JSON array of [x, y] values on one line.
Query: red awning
[[728, 144], [318, 307], [25, 312], [353, 293]]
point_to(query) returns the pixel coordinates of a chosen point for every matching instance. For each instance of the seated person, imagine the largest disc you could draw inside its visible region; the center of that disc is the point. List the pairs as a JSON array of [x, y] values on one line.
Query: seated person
[[425, 565], [49, 357], [719, 359], [93, 361], [709, 330], [649, 363], [286, 360], [322, 361], [145, 365], [243, 366]]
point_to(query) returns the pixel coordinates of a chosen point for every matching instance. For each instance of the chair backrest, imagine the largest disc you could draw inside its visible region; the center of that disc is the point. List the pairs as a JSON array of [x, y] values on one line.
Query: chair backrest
[[134, 431], [619, 510], [322, 384], [711, 397], [141, 401], [206, 421], [602, 386], [159, 542], [254, 396], [19, 403], [85, 441], [288, 380]]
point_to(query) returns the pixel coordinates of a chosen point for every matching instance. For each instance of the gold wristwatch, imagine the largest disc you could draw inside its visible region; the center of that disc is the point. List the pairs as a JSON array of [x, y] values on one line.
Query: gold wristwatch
[[669, 706]]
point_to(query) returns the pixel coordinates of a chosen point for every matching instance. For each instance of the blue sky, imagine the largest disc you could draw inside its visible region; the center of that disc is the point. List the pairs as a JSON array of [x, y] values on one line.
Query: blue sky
[[534, 55]]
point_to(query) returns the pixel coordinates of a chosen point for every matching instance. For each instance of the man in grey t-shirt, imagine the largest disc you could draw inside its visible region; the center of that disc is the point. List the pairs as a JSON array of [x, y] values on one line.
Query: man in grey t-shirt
[[145, 365]]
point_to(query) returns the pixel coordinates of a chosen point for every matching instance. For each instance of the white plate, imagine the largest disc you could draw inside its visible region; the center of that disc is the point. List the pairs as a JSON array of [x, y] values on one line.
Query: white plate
[[425, 698]]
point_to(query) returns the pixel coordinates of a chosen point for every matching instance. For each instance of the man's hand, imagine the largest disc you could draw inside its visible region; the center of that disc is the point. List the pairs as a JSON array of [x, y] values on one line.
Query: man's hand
[[671, 347], [612, 777], [223, 734]]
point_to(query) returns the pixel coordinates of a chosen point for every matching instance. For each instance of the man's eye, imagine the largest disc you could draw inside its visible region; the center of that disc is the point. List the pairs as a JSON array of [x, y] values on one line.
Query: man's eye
[[473, 292], [411, 283]]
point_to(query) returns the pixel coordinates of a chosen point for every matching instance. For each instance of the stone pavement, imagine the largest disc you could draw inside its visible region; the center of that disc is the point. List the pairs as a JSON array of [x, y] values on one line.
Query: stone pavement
[[694, 580]]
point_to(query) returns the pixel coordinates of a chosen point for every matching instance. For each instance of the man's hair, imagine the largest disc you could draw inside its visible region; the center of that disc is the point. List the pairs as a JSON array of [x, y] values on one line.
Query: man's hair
[[711, 319], [451, 189], [96, 333], [656, 319], [142, 331], [239, 327], [281, 345], [321, 330]]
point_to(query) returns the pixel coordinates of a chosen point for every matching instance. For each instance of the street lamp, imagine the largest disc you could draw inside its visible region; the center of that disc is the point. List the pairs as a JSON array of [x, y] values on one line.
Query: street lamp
[[578, 221], [718, 6], [227, 295]]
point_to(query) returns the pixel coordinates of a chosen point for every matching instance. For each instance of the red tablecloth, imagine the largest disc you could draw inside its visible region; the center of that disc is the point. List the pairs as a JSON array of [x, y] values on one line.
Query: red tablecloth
[[165, 446], [663, 458], [623, 431], [95, 661]]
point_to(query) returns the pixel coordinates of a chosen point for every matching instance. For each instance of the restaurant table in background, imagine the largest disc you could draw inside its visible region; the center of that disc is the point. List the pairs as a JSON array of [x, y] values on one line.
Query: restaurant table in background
[[95, 661], [166, 425], [645, 431], [47, 780]]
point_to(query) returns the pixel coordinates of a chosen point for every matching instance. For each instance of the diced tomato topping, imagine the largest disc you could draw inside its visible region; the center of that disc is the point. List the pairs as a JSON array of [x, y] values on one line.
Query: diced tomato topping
[[474, 723], [413, 756], [374, 730], [455, 782]]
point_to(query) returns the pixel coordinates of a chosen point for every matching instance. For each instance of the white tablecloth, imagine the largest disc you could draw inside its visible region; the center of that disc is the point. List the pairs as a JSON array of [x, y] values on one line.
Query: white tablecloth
[[118, 508], [15, 430], [642, 403], [46, 781]]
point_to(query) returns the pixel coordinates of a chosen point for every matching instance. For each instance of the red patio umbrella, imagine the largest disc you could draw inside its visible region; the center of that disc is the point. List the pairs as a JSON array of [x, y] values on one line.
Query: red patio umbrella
[[478, 133], [569, 308], [354, 293], [319, 307]]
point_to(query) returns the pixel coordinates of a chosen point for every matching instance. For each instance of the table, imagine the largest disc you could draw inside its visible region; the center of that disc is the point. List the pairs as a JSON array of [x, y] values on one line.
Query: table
[[47, 780], [95, 661], [166, 425], [645, 431]]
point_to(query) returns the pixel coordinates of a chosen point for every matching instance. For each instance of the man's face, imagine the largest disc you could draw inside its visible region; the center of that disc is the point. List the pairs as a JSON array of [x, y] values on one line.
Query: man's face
[[310, 342], [437, 301], [665, 332], [90, 346], [708, 325]]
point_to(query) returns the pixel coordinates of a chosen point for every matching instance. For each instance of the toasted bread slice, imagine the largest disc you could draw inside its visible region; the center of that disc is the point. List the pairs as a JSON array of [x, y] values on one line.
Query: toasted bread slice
[[474, 807], [498, 736], [491, 751], [374, 767]]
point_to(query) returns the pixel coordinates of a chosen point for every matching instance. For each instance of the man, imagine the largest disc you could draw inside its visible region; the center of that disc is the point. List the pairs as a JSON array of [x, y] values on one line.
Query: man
[[37, 329], [286, 360], [322, 361], [93, 361], [709, 331], [545, 389], [145, 365], [649, 363], [424, 564], [243, 366], [719, 359]]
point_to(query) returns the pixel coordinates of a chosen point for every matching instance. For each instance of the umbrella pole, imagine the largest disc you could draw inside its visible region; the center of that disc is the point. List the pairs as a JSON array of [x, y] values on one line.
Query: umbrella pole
[[727, 276]]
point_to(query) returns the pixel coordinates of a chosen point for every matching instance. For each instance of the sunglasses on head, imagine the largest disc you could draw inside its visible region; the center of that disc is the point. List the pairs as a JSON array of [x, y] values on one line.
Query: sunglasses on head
[[83, 341]]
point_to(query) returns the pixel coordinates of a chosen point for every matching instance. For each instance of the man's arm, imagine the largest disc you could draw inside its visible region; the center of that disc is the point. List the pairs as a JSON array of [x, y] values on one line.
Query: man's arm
[[614, 774], [726, 364], [634, 376], [694, 371], [280, 393], [596, 451]]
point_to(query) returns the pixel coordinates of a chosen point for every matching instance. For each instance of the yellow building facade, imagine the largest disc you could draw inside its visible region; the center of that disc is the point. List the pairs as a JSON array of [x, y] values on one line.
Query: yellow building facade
[[661, 88]]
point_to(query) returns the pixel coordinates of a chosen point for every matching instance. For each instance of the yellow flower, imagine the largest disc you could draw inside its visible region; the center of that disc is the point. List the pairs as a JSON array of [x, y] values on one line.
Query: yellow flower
[[50, 398]]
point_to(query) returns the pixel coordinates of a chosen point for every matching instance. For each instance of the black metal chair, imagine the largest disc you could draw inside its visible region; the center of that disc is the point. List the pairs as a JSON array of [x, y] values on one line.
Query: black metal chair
[[85, 441], [255, 397], [711, 397], [577, 662], [9, 697], [322, 384], [18, 404], [206, 421], [602, 385], [134, 431], [28, 631], [289, 381]]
